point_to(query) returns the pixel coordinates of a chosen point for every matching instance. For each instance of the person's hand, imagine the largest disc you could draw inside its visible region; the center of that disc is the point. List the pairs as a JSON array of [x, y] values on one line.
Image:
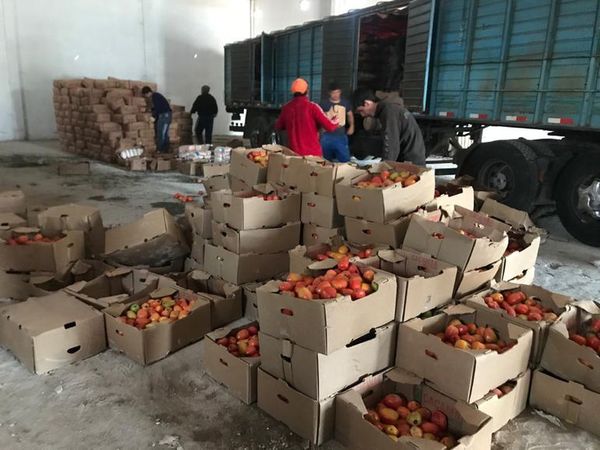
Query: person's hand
[[335, 120], [350, 131]]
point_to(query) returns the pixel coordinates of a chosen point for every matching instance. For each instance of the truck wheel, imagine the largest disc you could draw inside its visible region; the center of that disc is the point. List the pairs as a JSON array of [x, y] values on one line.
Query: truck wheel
[[507, 167], [577, 194]]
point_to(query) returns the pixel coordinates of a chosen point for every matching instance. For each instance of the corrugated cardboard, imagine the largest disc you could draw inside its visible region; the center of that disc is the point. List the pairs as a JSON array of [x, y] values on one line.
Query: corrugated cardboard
[[247, 211], [526, 277], [333, 323], [197, 253], [355, 433], [314, 234], [246, 170], [566, 400], [475, 280], [463, 196], [199, 218], [263, 240], [320, 210], [317, 176], [13, 202], [53, 257], [250, 300], [455, 248], [152, 344], [240, 269], [365, 232], [74, 168], [389, 203], [153, 240], [161, 164], [283, 168], [18, 286], [504, 409], [216, 183], [238, 185], [212, 169], [9, 221], [424, 283], [191, 168], [50, 332], [517, 262], [519, 220], [138, 164], [567, 359], [320, 376], [474, 373], [310, 419], [76, 217], [236, 374], [556, 302]]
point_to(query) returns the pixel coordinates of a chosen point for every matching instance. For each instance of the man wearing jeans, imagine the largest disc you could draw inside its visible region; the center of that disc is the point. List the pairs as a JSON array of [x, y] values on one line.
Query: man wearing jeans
[[206, 108], [161, 112], [335, 143]]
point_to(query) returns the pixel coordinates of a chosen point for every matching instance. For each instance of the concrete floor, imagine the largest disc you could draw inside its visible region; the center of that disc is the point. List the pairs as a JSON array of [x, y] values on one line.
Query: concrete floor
[[109, 402]]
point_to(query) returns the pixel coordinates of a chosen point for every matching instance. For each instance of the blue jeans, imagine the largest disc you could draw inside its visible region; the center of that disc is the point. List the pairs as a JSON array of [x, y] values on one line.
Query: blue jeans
[[162, 124], [335, 147]]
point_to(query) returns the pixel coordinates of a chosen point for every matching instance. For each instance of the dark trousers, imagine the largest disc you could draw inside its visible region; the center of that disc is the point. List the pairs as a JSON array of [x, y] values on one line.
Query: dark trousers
[[204, 124], [161, 131]]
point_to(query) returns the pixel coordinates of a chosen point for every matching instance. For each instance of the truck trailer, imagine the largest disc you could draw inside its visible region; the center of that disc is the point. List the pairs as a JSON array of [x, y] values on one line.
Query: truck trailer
[[460, 66]]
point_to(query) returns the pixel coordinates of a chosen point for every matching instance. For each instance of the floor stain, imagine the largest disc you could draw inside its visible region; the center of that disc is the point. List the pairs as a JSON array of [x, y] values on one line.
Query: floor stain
[[97, 198], [174, 208]]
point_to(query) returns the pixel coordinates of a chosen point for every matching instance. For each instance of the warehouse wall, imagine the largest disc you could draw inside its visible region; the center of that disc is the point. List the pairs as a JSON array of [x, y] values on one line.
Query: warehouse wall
[[177, 43], [269, 15]]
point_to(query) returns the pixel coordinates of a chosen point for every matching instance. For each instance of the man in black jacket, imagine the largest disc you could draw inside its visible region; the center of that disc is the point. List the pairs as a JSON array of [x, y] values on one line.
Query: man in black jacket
[[206, 108], [402, 138], [161, 112]]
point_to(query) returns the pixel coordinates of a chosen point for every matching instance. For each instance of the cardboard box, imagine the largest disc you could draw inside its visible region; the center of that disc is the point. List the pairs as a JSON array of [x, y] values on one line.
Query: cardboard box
[[152, 344], [283, 168], [321, 376], [235, 373], [54, 257], [308, 418], [564, 357], [161, 164], [470, 426], [518, 219], [474, 372], [240, 269], [385, 204], [213, 170], [249, 211], [527, 277], [556, 302], [138, 164], [314, 234], [76, 217], [238, 185], [320, 177], [424, 283], [216, 183], [333, 323], [74, 168], [8, 221], [263, 240], [121, 285], [454, 247], [320, 210], [225, 298], [250, 300], [451, 195], [475, 280], [13, 202], [247, 170], [364, 232], [152, 240], [50, 332], [197, 253], [566, 400], [200, 219], [517, 262], [502, 410], [191, 168]]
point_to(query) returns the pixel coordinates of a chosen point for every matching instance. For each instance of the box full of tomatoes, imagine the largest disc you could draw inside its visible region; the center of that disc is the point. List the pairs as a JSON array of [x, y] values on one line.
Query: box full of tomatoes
[[449, 195], [572, 349], [151, 328], [321, 177], [398, 410], [338, 305], [232, 357], [314, 234], [250, 164], [388, 191], [35, 250], [480, 348], [306, 260], [528, 306], [261, 240]]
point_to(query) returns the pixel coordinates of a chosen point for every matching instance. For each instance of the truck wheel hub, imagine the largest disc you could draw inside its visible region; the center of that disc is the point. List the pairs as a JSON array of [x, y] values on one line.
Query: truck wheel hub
[[589, 198]]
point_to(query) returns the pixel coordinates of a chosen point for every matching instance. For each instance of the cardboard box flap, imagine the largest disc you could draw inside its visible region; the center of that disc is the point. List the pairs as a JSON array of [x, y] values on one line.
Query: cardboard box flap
[[408, 263], [163, 291], [199, 275], [475, 220], [514, 217], [11, 220], [26, 230], [398, 375], [81, 268]]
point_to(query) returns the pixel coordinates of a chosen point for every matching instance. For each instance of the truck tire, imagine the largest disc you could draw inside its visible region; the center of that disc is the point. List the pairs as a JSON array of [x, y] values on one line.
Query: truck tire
[[577, 194], [507, 167]]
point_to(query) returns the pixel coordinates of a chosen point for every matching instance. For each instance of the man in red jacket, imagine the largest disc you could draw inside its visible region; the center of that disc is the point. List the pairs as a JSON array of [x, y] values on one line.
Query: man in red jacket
[[302, 119]]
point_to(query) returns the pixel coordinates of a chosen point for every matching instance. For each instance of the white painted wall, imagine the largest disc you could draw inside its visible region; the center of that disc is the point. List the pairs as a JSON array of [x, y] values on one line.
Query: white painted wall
[[274, 15], [177, 43]]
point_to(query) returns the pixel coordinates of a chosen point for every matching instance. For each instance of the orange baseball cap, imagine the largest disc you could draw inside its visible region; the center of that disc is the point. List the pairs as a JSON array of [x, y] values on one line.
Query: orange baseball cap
[[299, 86]]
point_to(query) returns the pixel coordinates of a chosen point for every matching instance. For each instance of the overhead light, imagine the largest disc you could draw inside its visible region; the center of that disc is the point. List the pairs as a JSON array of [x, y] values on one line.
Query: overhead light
[[304, 5]]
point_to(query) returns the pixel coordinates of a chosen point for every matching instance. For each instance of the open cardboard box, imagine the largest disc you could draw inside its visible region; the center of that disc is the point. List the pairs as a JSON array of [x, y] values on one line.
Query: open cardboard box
[[333, 323], [200, 219], [388, 203], [250, 300], [475, 280], [473, 372], [54, 257], [452, 195], [469, 425], [49, 332], [320, 210], [424, 283], [152, 240], [240, 269], [216, 183], [238, 185], [556, 302], [517, 262], [567, 400], [262, 240], [249, 211], [283, 167], [161, 164], [191, 168], [321, 376], [197, 252], [481, 194], [317, 176], [447, 243], [504, 409], [76, 217], [564, 357], [152, 344], [225, 298], [314, 234], [9, 221], [13, 201], [247, 170], [238, 374], [526, 277], [214, 169]]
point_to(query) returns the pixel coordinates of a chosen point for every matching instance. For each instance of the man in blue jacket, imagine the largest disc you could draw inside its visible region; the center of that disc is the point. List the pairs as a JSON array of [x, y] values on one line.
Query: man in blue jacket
[[161, 111]]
